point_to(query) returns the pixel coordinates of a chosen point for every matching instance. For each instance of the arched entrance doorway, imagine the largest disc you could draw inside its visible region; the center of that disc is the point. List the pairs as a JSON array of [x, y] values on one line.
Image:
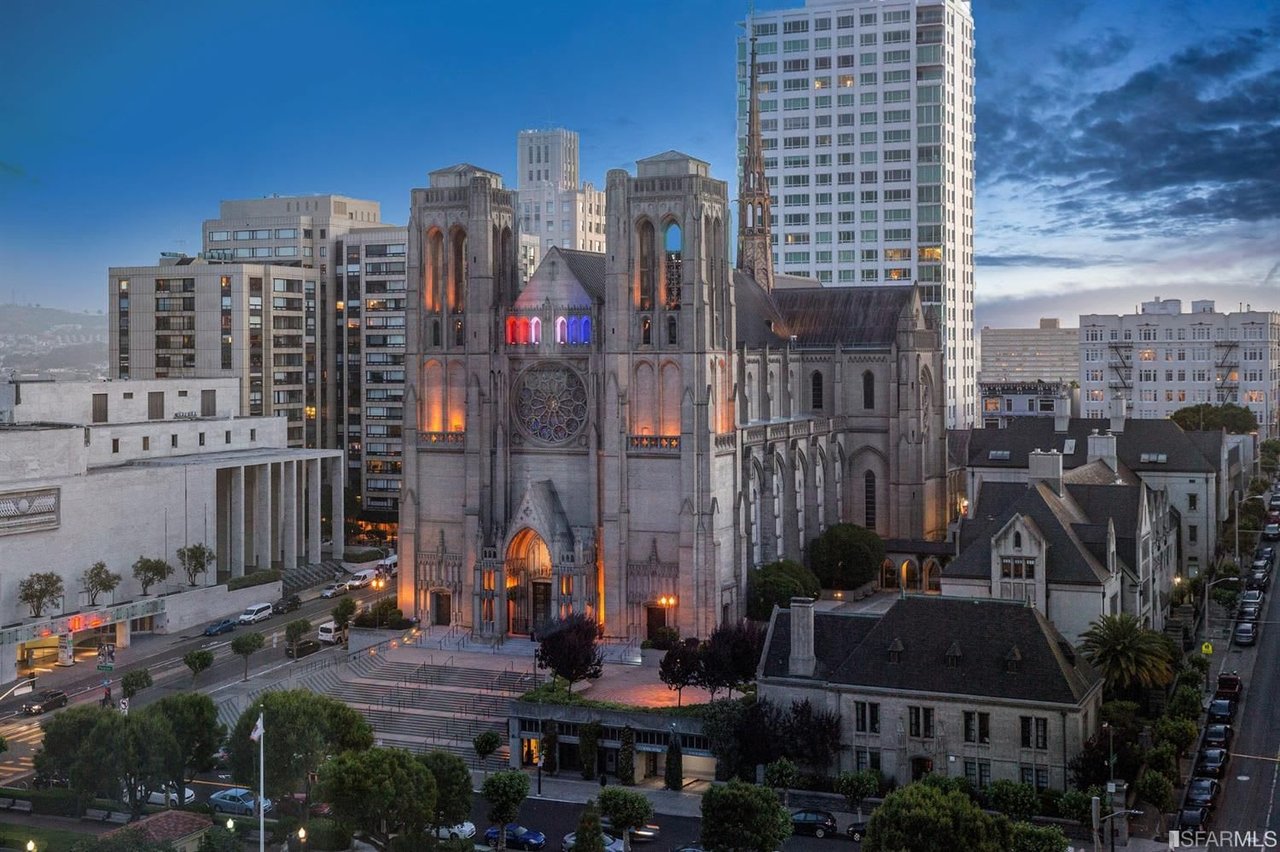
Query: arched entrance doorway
[[528, 570]]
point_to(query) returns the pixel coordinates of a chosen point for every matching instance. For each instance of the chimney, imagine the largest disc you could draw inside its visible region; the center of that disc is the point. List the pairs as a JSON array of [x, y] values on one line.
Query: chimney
[[1061, 414], [1045, 467], [801, 662], [1103, 447], [1118, 408]]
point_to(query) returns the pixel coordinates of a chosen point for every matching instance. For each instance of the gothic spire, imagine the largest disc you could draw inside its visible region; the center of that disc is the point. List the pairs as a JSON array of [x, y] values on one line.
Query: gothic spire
[[755, 241]]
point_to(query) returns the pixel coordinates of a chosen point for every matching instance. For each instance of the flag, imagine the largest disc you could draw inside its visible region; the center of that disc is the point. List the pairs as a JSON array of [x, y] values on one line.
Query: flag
[[256, 733]]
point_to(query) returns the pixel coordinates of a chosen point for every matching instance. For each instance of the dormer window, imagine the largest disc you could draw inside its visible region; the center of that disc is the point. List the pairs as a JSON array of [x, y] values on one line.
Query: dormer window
[[1012, 660], [895, 650], [953, 656]]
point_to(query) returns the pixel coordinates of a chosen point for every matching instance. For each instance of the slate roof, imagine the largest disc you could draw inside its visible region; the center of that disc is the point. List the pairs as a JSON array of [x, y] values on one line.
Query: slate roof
[[759, 322], [819, 316], [580, 285], [986, 633], [588, 268], [1069, 559], [1026, 434]]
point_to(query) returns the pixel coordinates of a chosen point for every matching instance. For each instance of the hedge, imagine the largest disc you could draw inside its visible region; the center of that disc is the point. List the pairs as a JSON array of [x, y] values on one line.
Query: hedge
[[255, 578]]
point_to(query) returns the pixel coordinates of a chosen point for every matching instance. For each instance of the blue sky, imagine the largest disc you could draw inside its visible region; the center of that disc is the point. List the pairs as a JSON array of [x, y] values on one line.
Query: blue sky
[[1125, 149]]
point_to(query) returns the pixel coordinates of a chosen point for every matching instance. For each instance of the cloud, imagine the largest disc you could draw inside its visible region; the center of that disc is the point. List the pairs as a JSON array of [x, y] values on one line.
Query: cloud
[[1106, 49], [12, 170]]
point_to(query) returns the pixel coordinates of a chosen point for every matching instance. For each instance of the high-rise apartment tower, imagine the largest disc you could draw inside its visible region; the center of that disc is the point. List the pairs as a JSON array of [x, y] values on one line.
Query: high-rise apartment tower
[[553, 205]]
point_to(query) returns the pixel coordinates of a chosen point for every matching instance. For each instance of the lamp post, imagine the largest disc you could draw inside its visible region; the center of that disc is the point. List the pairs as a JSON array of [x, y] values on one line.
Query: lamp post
[[1111, 749], [31, 846], [302, 836], [1207, 587], [541, 757]]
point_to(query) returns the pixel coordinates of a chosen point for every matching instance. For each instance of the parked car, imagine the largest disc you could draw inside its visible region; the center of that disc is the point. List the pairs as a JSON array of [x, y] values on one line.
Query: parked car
[[1251, 596], [1271, 532], [1218, 736], [303, 648], [254, 613], [1249, 612], [518, 837], [1212, 762], [857, 830], [296, 806], [463, 831], [225, 625], [611, 843], [1230, 686], [1246, 633], [1259, 580], [1202, 792], [1260, 564], [817, 823], [50, 699], [42, 781], [1193, 819], [1221, 711], [333, 590], [360, 579], [167, 797], [237, 800], [286, 604], [643, 834]]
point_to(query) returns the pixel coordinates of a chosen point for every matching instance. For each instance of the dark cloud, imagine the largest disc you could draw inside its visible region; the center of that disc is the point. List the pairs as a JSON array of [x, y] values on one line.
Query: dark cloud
[[1044, 261], [1106, 49], [1188, 141], [1068, 302]]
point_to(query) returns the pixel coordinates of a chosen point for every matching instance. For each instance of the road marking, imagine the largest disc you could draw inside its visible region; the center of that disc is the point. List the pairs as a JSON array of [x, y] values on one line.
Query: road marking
[[1242, 777], [1275, 774]]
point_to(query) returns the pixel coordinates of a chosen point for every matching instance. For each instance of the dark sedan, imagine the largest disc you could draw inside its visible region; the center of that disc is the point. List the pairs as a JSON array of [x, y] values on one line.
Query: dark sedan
[[1202, 792], [1250, 612], [302, 648], [1260, 580], [1221, 711], [646, 833], [50, 699], [813, 822], [226, 625], [1193, 819], [1266, 552], [286, 604], [518, 837], [1218, 736], [1246, 633], [1212, 762]]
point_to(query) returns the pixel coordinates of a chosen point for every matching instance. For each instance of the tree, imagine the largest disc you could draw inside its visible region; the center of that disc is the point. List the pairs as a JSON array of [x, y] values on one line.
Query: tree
[[504, 791], [782, 775], [857, 787], [382, 790], [1185, 703], [1018, 802], [134, 682], [739, 817], [129, 755], [195, 560], [626, 768], [589, 747], [680, 667], [721, 721], [245, 646], [846, 556], [193, 718], [453, 788], [1179, 733], [776, 584], [550, 746], [673, 772], [590, 837], [924, 817], [570, 648], [730, 656], [294, 631], [485, 744], [1164, 759], [98, 581], [1025, 837], [1156, 789], [1236, 419], [301, 728], [811, 736], [197, 661], [64, 733], [40, 590], [1128, 655], [626, 810], [343, 612], [149, 571]]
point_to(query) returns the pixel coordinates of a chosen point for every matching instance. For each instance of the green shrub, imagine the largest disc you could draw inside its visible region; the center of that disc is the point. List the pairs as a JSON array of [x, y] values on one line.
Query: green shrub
[[588, 745], [626, 770], [1050, 802], [665, 638], [51, 802], [1185, 704], [253, 578], [326, 835], [846, 556], [360, 555], [777, 583]]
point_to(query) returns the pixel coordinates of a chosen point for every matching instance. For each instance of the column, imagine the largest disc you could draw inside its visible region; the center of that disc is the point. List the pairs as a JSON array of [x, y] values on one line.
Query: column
[[313, 511], [236, 526], [300, 505], [123, 634], [337, 509], [262, 516], [289, 515]]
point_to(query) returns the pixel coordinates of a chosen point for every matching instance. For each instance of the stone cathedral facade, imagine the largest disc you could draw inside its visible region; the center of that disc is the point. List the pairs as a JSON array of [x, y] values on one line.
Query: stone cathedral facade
[[631, 433]]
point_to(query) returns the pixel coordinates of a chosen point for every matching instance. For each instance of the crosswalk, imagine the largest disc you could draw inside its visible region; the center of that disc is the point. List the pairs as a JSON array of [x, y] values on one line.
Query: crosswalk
[[23, 737]]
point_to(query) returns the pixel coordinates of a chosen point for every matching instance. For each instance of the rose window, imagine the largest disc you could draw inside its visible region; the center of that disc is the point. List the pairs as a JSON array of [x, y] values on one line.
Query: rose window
[[551, 403]]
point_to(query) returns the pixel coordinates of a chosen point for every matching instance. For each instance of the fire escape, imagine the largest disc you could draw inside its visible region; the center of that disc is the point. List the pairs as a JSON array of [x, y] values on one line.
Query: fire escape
[[1119, 367], [1227, 370]]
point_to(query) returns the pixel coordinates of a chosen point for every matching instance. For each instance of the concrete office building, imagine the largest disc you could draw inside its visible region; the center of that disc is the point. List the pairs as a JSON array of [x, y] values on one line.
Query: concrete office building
[[1028, 372], [553, 205], [1162, 359], [867, 117], [109, 471]]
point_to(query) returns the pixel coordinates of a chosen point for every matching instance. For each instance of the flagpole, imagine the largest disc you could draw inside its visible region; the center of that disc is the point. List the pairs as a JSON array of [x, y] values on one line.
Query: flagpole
[[262, 786]]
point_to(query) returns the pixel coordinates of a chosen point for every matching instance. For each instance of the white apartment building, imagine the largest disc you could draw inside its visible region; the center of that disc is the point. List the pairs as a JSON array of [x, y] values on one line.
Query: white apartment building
[[110, 471], [1028, 372], [369, 365], [187, 318], [867, 119], [1161, 360], [553, 205]]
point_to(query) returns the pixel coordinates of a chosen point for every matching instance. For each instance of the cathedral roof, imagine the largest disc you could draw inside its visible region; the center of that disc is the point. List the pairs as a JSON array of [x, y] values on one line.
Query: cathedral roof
[[565, 278], [844, 315]]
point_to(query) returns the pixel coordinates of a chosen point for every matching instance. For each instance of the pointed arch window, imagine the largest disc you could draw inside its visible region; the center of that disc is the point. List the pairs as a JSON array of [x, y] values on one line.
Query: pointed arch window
[[868, 389], [535, 330], [648, 267], [562, 330], [815, 390], [673, 331], [1017, 541], [869, 499], [458, 271], [575, 330], [511, 329], [646, 331], [435, 332], [522, 331], [586, 329], [459, 338], [672, 248]]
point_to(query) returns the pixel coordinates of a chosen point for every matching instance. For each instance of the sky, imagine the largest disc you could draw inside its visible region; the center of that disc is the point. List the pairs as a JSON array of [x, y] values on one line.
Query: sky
[[1125, 149]]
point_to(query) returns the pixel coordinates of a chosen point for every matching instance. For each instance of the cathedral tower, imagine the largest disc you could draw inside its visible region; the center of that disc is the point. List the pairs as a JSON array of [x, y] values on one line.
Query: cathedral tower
[[755, 239]]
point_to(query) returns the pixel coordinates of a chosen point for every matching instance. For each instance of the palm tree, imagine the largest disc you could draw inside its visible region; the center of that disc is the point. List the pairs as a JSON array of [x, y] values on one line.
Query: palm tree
[[1128, 654]]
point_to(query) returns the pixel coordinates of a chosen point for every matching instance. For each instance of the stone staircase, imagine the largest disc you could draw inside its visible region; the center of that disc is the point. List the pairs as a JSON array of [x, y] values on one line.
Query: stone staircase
[[309, 574]]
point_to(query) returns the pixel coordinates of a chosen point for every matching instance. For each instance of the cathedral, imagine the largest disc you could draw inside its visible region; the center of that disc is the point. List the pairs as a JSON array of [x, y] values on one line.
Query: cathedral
[[631, 433]]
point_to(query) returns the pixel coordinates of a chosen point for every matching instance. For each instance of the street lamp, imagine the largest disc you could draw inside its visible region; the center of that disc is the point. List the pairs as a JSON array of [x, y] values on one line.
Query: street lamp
[[1111, 750], [302, 836], [231, 825], [31, 846]]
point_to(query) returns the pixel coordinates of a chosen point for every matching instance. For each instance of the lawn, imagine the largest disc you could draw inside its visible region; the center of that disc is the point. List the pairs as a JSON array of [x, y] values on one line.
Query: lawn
[[15, 836]]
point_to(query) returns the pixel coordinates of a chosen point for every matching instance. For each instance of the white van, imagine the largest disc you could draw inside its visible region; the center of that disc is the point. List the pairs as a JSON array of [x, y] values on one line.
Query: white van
[[255, 613], [360, 579], [391, 565], [329, 633]]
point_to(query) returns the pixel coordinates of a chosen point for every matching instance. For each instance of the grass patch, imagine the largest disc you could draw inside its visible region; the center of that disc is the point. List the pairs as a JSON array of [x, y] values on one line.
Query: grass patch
[[47, 839], [556, 691], [361, 554]]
